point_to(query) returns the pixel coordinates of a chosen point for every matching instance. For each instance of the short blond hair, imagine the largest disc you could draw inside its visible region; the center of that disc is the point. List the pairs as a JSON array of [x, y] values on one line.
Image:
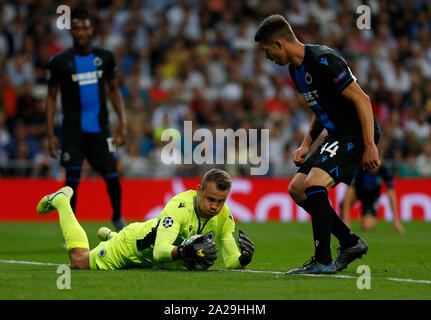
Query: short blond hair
[[220, 177]]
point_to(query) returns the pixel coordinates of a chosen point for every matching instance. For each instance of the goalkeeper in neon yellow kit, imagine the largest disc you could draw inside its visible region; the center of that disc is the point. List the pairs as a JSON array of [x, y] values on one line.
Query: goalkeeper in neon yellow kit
[[159, 242]]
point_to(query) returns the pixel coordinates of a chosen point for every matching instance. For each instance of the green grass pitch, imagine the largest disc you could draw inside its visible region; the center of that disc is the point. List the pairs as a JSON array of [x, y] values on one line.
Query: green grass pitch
[[279, 247]]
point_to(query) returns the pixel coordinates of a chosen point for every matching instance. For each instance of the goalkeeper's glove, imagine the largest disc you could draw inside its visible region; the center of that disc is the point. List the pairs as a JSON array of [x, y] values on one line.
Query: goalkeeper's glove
[[201, 248], [247, 249]]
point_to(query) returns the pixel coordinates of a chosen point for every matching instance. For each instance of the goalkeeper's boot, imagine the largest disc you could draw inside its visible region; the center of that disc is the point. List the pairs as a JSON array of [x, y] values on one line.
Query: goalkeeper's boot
[[119, 224], [45, 205], [106, 234], [347, 255], [314, 267]]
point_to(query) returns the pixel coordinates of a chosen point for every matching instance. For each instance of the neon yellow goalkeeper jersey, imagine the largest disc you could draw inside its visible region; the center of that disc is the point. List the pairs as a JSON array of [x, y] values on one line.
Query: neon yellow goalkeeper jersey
[[135, 245]]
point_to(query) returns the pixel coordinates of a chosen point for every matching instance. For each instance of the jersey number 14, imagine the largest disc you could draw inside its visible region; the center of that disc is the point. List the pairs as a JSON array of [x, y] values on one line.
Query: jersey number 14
[[332, 149]]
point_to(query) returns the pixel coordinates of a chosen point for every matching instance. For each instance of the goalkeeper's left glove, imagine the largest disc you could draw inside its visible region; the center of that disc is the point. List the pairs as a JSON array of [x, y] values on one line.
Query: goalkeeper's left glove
[[247, 249]]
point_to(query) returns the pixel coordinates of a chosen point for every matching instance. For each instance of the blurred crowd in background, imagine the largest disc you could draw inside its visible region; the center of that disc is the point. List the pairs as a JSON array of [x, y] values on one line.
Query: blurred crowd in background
[[197, 60]]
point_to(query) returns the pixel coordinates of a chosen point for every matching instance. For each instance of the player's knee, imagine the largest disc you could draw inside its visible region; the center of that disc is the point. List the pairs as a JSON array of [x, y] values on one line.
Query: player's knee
[[309, 182], [296, 191]]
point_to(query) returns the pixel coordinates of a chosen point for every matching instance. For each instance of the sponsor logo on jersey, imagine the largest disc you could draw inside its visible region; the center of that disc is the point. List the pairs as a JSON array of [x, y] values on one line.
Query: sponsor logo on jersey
[[323, 60], [341, 76], [87, 77], [310, 97], [200, 253]]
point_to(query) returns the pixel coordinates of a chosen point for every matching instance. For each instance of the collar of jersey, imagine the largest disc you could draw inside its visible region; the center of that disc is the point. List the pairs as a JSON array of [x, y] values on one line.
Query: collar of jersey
[[197, 216], [303, 60]]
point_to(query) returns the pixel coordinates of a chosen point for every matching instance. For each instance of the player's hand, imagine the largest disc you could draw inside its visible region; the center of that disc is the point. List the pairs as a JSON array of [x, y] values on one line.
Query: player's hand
[[53, 146], [247, 249], [120, 135], [370, 158], [299, 155], [201, 248], [398, 227]]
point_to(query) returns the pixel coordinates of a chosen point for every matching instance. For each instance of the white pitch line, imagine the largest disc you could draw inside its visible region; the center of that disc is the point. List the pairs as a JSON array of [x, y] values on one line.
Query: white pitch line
[[31, 262], [410, 280], [322, 275], [241, 270]]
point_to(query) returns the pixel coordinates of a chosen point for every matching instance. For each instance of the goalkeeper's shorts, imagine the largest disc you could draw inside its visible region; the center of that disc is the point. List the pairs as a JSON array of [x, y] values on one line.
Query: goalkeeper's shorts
[[120, 252]]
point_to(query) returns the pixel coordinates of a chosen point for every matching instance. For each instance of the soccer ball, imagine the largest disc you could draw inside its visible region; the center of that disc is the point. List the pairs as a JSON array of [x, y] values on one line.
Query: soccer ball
[[190, 263]]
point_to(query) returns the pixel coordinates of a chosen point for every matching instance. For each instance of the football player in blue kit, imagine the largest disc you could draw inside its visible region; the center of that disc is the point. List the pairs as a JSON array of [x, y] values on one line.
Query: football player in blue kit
[[340, 107], [81, 74]]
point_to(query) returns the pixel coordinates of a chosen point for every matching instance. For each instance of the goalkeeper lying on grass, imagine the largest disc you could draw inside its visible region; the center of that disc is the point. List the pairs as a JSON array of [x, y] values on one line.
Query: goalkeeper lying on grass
[[192, 228]]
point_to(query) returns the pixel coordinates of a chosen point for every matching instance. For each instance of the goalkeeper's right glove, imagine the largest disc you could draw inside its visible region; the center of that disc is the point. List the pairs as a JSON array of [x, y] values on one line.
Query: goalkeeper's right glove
[[202, 248]]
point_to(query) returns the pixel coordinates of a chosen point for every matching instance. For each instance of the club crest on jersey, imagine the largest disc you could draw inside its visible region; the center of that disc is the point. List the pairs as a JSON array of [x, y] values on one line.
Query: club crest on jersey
[[308, 78], [66, 156], [190, 228], [97, 61], [168, 222]]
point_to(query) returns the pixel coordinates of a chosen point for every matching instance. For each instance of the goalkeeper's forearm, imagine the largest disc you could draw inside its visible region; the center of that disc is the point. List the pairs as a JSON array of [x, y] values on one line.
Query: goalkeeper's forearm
[[165, 252], [314, 131]]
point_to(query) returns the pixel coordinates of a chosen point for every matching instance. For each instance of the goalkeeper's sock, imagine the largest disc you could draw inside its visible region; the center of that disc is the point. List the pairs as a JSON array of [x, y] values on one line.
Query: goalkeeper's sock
[[345, 236], [74, 235], [321, 213]]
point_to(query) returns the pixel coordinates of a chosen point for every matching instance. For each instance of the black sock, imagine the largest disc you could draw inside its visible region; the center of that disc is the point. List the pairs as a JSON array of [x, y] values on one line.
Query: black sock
[[114, 190], [73, 176], [305, 204], [345, 236], [321, 213]]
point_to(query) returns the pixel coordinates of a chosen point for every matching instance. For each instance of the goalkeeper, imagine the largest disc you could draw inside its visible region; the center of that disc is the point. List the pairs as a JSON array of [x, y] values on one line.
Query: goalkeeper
[[159, 242]]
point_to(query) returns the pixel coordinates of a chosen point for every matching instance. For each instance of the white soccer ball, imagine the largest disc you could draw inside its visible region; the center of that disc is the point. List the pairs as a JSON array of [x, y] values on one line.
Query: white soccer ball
[[190, 263]]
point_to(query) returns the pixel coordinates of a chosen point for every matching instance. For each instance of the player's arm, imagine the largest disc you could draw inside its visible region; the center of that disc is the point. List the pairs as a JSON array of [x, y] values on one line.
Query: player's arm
[[50, 108], [314, 131], [370, 158], [232, 256], [390, 191], [114, 96], [397, 226], [53, 79], [118, 104], [349, 199], [167, 232]]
